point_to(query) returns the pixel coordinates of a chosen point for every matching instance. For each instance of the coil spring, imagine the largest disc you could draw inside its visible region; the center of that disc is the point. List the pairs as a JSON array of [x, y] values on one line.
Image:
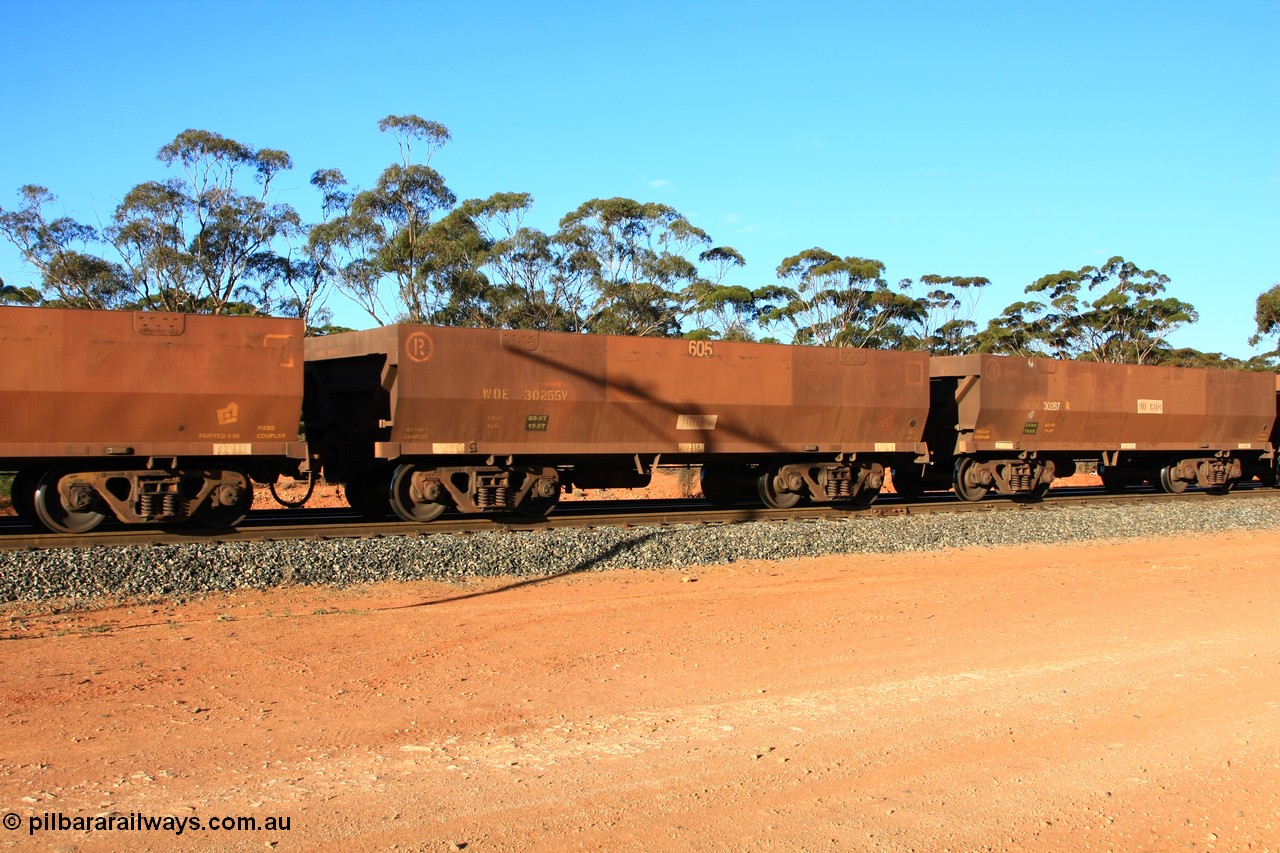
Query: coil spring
[[155, 504], [1022, 481], [491, 496], [841, 488]]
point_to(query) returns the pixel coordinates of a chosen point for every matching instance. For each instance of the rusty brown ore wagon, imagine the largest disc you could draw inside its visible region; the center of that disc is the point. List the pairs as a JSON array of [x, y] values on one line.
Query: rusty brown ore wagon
[[421, 418], [146, 417], [1011, 425]]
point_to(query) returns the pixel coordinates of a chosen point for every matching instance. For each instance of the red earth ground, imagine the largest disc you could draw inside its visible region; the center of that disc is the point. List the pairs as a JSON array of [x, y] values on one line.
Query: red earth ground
[[1104, 696]]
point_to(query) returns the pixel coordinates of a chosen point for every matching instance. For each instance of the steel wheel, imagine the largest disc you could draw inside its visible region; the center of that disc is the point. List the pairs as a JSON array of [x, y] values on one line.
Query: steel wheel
[[1169, 484], [908, 482], [366, 494], [532, 507], [227, 505], [1033, 495], [721, 484], [966, 490], [1223, 489], [539, 506], [1113, 480], [23, 493], [53, 514], [866, 497], [407, 502], [769, 492]]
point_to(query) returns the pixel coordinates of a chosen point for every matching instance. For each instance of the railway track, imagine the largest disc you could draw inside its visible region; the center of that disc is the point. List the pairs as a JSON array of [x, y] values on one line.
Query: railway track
[[339, 523]]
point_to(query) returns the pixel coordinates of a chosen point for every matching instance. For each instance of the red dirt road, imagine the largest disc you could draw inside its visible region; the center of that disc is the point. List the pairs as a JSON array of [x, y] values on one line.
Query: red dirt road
[[1117, 696]]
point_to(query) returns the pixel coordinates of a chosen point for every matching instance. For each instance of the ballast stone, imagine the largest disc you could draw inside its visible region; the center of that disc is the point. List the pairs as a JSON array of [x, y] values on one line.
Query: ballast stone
[[86, 574]]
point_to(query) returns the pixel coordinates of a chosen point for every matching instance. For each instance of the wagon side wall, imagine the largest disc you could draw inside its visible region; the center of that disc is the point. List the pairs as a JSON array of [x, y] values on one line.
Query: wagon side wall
[[82, 383], [1040, 404], [489, 392]]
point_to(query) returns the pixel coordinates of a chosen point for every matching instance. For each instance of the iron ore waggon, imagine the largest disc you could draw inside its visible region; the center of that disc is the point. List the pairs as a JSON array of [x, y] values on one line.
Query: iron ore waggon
[[422, 418], [1011, 425], [165, 418], [148, 417]]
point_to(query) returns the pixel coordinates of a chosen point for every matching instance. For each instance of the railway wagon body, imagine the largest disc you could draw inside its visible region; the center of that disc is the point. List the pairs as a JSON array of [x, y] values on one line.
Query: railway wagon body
[[146, 416], [487, 420], [1013, 424]]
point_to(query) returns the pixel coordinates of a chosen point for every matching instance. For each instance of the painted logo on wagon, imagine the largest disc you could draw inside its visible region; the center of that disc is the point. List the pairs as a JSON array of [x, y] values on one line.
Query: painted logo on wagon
[[419, 346]]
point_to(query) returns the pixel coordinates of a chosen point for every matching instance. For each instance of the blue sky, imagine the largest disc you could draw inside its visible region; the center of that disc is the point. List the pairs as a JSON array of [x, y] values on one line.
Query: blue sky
[[1006, 140]]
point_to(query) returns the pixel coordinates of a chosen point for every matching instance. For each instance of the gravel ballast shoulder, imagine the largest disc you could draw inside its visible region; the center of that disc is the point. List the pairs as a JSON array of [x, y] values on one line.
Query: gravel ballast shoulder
[[85, 574]]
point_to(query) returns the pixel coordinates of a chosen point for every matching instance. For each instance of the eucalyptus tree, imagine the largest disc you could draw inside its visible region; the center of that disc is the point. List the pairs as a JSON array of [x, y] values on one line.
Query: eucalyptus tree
[[386, 232], [58, 248], [204, 242], [1267, 318], [946, 313], [304, 275], [525, 287], [725, 312], [631, 263], [455, 249], [1112, 313], [835, 301], [1019, 330], [14, 295]]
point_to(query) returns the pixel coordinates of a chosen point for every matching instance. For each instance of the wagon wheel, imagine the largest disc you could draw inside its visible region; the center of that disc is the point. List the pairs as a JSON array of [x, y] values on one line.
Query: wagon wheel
[[866, 496], [966, 489], [1226, 486], [227, 505], [410, 504], [769, 492], [23, 493], [367, 496], [1169, 484], [52, 513], [532, 507], [1033, 495], [720, 484], [1113, 480], [306, 496], [908, 482]]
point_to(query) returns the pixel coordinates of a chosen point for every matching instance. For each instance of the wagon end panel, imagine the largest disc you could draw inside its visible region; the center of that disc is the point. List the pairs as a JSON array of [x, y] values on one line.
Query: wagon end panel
[[350, 386], [107, 383]]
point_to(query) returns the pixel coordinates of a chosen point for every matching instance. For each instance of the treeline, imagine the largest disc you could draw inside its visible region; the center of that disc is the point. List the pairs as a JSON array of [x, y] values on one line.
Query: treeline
[[215, 238]]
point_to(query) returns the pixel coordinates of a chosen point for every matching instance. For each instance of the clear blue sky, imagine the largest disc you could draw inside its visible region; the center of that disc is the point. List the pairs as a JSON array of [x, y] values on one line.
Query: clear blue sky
[[1007, 140]]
